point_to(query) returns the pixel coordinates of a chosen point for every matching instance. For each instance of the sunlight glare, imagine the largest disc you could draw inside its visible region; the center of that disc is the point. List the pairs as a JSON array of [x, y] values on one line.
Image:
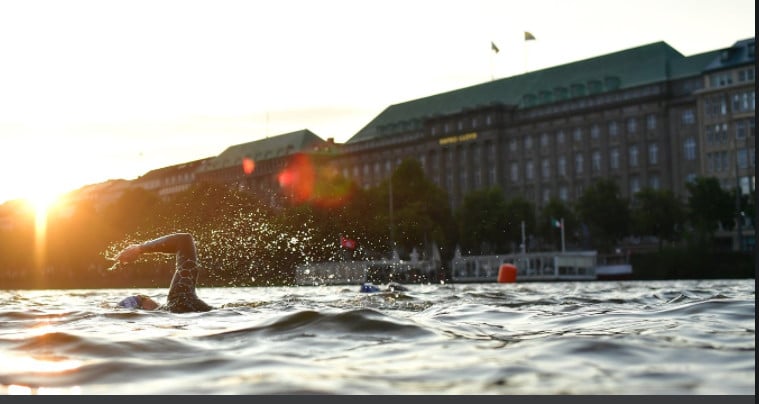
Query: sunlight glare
[[42, 201]]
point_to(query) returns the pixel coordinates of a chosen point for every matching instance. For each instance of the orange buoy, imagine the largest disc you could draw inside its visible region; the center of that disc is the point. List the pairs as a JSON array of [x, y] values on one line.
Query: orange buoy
[[507, 273]]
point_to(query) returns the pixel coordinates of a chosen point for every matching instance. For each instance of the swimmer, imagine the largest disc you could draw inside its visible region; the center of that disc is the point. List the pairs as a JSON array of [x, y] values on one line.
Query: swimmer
[[368, 287], [182, 297]]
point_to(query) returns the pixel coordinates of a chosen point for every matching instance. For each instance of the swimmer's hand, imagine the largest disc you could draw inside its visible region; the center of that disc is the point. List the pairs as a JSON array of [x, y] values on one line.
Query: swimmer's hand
[[128, 254]]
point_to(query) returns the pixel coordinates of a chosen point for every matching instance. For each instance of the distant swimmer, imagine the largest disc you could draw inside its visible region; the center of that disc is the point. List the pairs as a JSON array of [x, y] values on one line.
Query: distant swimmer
[[391, 287], [182, 297]]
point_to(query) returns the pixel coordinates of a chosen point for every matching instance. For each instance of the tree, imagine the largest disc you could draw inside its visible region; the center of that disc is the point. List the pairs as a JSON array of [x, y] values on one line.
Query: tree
[[518, 211], [556, 209], [709, 206], [605, 212], [482, 221], [658, 213], [420, 209]]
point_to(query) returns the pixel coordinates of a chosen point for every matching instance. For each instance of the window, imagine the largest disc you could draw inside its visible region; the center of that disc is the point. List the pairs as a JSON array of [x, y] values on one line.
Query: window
[[746, 74], [633, 156], [513, 145], [562, 166], [546, 168], [563, 194], [528, 171], [632, 125], [528, 142], [743, 158], [613, 128], [577, 135], [634, 185], [740, 129], [689, 149], [653, 153], [688, 117], [560, 137], [596, 161], [492, 176], [595, 132], [544, 140], [614, 158], [578, 163], [651, 122], [546, 195], [653, 181], [514, 172]]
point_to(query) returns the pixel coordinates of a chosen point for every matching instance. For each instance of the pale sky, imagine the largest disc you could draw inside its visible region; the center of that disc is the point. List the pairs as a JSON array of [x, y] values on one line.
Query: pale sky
[[98, 90]]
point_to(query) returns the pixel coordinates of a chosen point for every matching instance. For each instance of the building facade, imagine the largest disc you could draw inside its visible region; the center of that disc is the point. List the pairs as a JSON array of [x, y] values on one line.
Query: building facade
[[275, 169], [633, 116]]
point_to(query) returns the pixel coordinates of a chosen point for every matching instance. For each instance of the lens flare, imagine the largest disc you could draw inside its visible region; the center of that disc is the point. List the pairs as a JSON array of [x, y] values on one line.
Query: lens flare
[[305, 181], [248, 165]]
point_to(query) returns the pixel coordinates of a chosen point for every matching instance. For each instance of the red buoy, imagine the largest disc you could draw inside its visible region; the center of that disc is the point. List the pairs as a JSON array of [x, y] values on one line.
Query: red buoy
[[507, 273]]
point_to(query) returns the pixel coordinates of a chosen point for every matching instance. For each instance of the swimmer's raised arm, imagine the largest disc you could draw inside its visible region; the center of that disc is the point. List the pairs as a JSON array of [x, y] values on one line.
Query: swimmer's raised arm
[[170, 243], [182, 297]]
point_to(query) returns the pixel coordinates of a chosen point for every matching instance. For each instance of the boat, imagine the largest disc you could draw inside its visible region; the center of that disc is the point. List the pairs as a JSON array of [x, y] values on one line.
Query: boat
[[383, 271], [538, 266]]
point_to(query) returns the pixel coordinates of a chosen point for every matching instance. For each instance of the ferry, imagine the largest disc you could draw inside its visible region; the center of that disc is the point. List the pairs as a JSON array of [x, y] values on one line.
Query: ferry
[[540, 266], [531, 267]]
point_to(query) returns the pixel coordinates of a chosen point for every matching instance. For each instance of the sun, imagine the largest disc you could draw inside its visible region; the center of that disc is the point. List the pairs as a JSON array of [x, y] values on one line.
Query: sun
[[42, 200]]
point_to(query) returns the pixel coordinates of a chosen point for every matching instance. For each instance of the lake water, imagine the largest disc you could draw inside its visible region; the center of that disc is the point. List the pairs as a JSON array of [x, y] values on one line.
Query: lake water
[[619, 338]]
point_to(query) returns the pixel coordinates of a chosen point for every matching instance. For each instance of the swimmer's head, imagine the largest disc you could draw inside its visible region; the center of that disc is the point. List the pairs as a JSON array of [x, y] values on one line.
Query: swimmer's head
[[139, 302]]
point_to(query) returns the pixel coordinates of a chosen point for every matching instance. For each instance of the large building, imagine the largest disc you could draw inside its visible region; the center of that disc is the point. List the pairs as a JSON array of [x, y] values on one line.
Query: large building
[[632, 116], [645, 117], [270, 167]]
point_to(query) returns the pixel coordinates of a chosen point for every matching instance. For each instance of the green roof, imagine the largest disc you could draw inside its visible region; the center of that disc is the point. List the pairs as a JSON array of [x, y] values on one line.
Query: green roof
[[264, 149], [634, 67], [741, 53]]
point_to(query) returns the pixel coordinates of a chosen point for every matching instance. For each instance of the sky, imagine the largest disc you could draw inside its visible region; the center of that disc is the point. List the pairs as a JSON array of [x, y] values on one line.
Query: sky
[[99, 90]]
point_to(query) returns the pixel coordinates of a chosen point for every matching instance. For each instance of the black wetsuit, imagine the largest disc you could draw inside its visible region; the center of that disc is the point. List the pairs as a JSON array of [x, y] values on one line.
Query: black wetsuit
[[182, 297]]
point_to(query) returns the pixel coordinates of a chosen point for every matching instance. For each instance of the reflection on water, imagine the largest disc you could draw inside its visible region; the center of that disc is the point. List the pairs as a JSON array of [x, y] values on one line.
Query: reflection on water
[[632, 337]]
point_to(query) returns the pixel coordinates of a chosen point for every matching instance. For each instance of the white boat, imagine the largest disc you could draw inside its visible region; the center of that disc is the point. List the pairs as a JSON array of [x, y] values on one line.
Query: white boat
[[358, 272], [535, 266]]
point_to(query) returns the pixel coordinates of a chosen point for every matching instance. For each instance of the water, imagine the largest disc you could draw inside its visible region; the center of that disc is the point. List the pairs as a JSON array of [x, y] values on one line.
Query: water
[[626, 337]]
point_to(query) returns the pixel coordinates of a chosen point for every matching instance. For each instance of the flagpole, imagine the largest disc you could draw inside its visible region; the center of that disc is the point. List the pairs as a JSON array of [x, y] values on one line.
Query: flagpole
[[562, 235]]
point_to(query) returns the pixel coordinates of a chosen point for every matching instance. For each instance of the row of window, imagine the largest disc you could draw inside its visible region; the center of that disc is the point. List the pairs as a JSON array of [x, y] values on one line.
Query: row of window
[[723, 79], [579, 166], [742, 101], [718, 133], [577, 133], [717, 162]]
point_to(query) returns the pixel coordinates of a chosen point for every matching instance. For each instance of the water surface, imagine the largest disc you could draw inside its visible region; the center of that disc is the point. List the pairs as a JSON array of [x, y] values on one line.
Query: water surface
[[621, 338]]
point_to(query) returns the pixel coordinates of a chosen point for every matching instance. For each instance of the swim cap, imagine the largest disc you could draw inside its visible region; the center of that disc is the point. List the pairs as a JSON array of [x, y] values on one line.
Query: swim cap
[[369, 288], [131, 302]]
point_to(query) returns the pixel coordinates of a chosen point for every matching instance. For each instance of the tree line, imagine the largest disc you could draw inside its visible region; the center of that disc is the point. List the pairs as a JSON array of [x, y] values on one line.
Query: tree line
[[243, 241]]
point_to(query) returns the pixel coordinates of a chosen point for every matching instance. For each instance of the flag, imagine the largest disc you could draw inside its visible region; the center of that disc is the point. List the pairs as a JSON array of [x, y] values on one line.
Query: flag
[[556, 223], [345, 242], [493, 47], [528, 36]]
